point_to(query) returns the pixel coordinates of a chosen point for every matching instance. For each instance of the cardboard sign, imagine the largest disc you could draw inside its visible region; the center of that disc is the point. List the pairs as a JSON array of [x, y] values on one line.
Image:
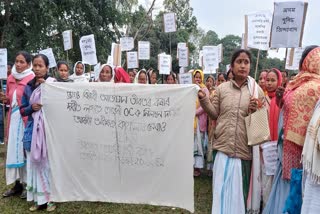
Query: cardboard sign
[[210, 59], [183, 57], [144, 50], [127, 43], [132, 60], [288, 24], [220, 52], [164, 63], [48, 52], [88, 50], [3, 63], [180, 45], [258, 27], [67, 40], [169, 20], [293, 58], [116, 54], [185, 78]]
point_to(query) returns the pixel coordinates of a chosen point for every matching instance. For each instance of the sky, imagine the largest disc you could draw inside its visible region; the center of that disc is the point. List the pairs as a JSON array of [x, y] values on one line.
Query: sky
[[227, 17]]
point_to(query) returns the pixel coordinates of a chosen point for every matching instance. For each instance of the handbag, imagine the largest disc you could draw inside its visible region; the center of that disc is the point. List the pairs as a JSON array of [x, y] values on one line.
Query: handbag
[[257, 126]]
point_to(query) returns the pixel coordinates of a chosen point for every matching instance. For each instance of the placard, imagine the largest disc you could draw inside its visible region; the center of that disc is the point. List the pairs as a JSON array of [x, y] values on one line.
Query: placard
[[220, 52], [49, 53], [67, 40], [169, 20], [270, 157], [164, 63], [288, 24], [185, 78], [183, 57], [3, 63], [293, 58], [144, 50], [180, 45], [127, 43], [96, 69], [258, 29], [200, 62], [210, 59], [88, 50], [116, 54], [132, 60]]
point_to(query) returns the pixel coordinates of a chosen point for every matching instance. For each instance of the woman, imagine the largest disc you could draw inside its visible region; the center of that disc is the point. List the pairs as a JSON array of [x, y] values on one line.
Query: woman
[[232, 102], [132, 74], [63, 72], [38, 185], [141, 77], [152, 75], [171, 78], [297, 102], [106, 73], [210, 82], [262, 80], [200, 126], [221, 78], [15, 163], [79, 72], [229, 75], [273, 81], [121, 76]]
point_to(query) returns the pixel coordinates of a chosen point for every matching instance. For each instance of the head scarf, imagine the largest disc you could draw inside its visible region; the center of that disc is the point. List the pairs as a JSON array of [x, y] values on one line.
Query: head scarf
[[81, 78], [121, 75], [112, 70], [23, 74], [75, 67], [274, 110], [202, 85], [136, 78], [300, 98]]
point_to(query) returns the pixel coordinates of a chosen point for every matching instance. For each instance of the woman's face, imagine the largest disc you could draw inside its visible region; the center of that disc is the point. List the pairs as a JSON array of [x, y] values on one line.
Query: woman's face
[[153, 78], [63, 71], [105, 74], [241, 67], [79, 69], [170, 80], [197, 78], [221, 79], [142, 78], [262, 80], [230, 76], [21, 63], [209, 83], [132, 76], [272, 82], [39, 67]]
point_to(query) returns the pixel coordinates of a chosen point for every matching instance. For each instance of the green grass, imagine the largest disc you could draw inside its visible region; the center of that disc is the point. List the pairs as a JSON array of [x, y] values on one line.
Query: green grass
[[202, 197]]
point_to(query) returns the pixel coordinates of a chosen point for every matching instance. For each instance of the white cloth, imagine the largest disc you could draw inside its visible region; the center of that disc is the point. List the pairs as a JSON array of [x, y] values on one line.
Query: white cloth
[[112, 70], [81, 78], [311, 202], [15, 156], [227, 185], [23, 74]]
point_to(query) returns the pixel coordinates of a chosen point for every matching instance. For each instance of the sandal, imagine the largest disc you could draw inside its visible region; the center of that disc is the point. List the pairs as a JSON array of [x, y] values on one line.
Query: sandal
[[11, 192], [34, 207], [51, 207]]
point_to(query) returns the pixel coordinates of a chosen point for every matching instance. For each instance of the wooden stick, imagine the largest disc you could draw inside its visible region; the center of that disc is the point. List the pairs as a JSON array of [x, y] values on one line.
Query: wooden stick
[[258, 56]]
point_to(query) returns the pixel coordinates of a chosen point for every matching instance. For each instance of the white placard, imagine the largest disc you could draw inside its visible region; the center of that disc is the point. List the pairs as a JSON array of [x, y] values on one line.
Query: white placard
[[110, 60], [49, 53], [287, 24], [144, 50], [67, 39], [164, 64], [3, 63], [228, 67], [118, 148], [127, 43], [220, 52], [88, 50], [183, 57], [185, 78], [182, 70], [210, 59], [180, 45], [295, 60], [169, 20], [132, 60], [270, 157], [96, 69], [200, 62], [259, 27]]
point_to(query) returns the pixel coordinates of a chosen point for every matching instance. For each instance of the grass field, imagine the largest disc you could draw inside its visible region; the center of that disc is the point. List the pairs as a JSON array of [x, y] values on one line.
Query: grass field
[[202, 197]]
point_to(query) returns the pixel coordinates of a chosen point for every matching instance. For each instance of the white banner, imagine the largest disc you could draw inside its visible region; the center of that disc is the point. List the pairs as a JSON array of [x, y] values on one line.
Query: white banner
[[127, 43], [49, 53], [169, 20], [88, 50], [287, 24], [115, 147], [259, 27], [164, 63], [3, 63], [132, 60], [67, 39], [210, 59], [183, 57], [294, 58], [144, 50], [185, 78]]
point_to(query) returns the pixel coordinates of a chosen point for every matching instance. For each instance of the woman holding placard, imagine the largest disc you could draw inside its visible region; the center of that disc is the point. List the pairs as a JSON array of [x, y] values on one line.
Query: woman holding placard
[[231, 103], [16, 163]]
